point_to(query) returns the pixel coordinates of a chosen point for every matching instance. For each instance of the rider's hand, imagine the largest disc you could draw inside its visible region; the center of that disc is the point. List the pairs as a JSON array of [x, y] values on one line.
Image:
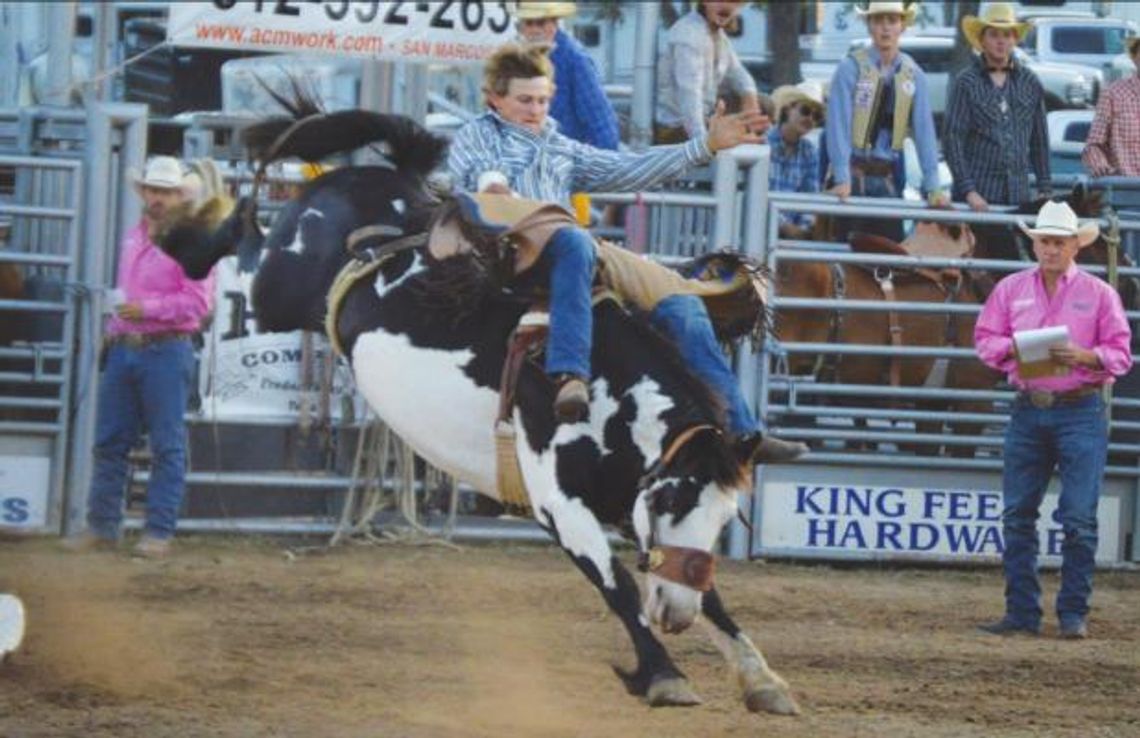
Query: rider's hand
[[1073, 355], [842, 191], [726, 131], [976, 202]]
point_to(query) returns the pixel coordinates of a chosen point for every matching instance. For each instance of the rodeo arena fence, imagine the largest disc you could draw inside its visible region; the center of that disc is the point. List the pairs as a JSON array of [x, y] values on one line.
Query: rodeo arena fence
[[281, 443]]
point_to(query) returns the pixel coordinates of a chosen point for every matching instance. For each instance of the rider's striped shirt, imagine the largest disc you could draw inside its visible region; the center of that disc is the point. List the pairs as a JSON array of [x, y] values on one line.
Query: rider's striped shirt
[[549, 166]]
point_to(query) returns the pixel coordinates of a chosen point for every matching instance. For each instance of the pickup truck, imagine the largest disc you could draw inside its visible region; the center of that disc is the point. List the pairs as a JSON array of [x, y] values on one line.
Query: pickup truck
[[1095, 45]]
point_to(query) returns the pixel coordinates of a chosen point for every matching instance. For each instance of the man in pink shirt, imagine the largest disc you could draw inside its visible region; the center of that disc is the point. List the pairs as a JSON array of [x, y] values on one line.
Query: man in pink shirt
[[1058, 420], [148, 369]]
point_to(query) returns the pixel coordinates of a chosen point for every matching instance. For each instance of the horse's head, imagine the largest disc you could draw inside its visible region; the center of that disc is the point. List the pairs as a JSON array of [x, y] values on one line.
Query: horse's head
[[684, 503]]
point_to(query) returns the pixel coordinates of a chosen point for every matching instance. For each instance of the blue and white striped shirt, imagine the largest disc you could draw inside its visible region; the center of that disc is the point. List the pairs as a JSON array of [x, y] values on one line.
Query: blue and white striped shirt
[[550, 167]]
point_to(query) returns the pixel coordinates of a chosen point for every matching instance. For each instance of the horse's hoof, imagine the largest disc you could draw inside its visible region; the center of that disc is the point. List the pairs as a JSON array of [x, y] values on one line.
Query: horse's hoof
[[672, 692], [773, 699]]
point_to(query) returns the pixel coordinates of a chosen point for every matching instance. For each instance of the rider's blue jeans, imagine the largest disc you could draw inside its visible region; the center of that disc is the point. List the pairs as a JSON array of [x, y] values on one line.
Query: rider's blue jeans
[[141, 387], [570, 257], [1073, 438], [685, 320]]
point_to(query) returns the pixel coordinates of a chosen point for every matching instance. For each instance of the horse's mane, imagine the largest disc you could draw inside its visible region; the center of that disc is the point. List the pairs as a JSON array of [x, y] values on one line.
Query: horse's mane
[[315, 134]]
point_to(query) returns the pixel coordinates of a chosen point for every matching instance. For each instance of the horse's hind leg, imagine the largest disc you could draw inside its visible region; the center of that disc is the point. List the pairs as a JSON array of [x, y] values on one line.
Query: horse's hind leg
[[656, 677], [762, 688]]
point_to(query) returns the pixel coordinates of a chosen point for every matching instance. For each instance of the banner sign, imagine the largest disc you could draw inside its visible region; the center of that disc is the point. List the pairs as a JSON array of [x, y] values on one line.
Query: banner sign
[[449, 31], [24, 488], [907, 522], [249, 375]]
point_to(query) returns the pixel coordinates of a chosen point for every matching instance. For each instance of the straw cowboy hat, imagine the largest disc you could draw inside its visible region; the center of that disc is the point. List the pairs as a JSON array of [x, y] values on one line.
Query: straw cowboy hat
[[538, 10], [162, 172], [875, 7], [805, 92], [1058, 219], [998, 15]]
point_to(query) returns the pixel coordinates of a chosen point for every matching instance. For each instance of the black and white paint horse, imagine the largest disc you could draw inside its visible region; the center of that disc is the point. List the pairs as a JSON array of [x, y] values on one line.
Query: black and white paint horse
[[430, 366]]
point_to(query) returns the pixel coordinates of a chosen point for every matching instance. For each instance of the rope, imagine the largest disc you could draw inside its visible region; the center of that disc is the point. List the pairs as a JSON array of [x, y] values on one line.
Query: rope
[[76, 87]]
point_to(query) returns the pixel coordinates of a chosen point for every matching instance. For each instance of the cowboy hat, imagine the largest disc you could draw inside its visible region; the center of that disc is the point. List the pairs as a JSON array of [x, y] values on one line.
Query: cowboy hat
[[876, 7], [806, 92], [534, 10], [11, 624], [997, 15], [1058, 219], [161, 172]]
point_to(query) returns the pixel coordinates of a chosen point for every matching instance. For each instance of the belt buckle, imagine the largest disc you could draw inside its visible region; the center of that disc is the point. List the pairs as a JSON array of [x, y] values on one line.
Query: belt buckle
[[1041, 399]]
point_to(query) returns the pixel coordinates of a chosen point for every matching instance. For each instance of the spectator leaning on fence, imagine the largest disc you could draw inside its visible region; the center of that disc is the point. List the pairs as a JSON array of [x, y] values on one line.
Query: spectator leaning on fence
[[514, 149], [1113, 145], [698, 60], [580, 105], [1059, 418], [995, 128], [147, 368], [794, 165], [877, 95]]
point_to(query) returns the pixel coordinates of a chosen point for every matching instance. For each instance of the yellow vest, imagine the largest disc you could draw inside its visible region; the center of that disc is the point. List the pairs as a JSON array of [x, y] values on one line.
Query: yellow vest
[[869, 100]]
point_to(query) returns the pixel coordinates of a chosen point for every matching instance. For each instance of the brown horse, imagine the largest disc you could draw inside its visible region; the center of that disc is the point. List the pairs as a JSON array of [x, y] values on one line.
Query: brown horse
[[821, 280]]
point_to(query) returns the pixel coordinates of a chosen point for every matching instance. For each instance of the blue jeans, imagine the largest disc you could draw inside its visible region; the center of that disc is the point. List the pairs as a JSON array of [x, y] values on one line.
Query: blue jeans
[[570, 257], [1073, 438], [685, 320], [141, 387]]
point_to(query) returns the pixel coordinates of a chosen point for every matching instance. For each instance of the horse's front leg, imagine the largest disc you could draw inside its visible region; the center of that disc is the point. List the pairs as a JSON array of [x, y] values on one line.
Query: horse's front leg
[[656, 678], [762, 688]]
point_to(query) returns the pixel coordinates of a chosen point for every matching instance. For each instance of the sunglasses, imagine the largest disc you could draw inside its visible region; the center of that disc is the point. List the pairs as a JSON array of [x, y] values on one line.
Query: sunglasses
[[814, 112]]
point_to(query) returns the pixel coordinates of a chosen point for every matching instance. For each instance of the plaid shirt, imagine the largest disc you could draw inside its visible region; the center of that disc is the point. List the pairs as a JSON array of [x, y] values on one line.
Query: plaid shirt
[[580, 105], [994, 135], [1113, 145], [795, 171]]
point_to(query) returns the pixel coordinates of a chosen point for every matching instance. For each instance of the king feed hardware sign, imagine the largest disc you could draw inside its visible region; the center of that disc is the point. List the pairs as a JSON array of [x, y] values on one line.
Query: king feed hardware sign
[[448, 31], [906, 522], [24, 487]]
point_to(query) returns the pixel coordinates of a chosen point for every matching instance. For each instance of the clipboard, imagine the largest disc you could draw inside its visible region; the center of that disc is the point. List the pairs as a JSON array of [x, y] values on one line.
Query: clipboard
[[1031, 347]]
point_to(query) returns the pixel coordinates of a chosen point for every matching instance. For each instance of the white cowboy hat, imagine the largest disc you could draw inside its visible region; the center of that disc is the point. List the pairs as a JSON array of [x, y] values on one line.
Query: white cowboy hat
[[1058, 219], [11, 624], [807, 92], [997, 15], [875, 7], [534, 10], [163, 172]]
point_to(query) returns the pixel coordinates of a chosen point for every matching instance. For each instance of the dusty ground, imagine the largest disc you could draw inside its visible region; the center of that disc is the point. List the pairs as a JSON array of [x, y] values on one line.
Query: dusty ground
[[237, 638]]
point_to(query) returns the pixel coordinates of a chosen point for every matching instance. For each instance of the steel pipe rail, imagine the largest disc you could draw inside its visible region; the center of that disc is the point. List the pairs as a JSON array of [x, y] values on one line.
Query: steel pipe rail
[[874, 306], [893, 414], [884, 391], [866, 349], [854, 434], [38, 211], [20, 257]]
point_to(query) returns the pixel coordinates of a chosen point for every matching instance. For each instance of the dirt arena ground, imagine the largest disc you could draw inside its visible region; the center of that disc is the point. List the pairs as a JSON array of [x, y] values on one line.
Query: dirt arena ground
[[242, 638]]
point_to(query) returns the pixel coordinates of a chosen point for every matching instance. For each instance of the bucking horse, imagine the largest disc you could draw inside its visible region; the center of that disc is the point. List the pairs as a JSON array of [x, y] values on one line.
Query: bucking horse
[[427, 342]]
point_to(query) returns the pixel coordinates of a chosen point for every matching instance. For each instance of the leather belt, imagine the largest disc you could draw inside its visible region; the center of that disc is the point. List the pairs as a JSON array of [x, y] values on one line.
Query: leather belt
[[1043, 400], [141, 340], [873, 167]]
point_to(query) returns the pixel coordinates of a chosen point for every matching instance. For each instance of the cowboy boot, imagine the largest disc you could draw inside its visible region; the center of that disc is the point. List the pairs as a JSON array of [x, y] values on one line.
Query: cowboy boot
[[767, 449], [572, 403]]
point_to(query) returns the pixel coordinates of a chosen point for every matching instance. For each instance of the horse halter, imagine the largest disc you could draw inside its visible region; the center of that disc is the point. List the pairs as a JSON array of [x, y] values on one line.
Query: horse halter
[[690, 567]]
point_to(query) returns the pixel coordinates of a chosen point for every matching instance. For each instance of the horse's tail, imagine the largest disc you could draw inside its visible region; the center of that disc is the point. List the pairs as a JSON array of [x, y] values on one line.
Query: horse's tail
[[311, 134]]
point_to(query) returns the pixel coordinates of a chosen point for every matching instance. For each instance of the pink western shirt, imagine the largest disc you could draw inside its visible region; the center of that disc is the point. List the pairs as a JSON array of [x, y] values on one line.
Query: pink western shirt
[[170, 300], [1087, 305]]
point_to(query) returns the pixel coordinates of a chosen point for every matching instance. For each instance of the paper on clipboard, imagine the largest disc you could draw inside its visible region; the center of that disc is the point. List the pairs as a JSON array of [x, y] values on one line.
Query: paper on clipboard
[[1032, 348]]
